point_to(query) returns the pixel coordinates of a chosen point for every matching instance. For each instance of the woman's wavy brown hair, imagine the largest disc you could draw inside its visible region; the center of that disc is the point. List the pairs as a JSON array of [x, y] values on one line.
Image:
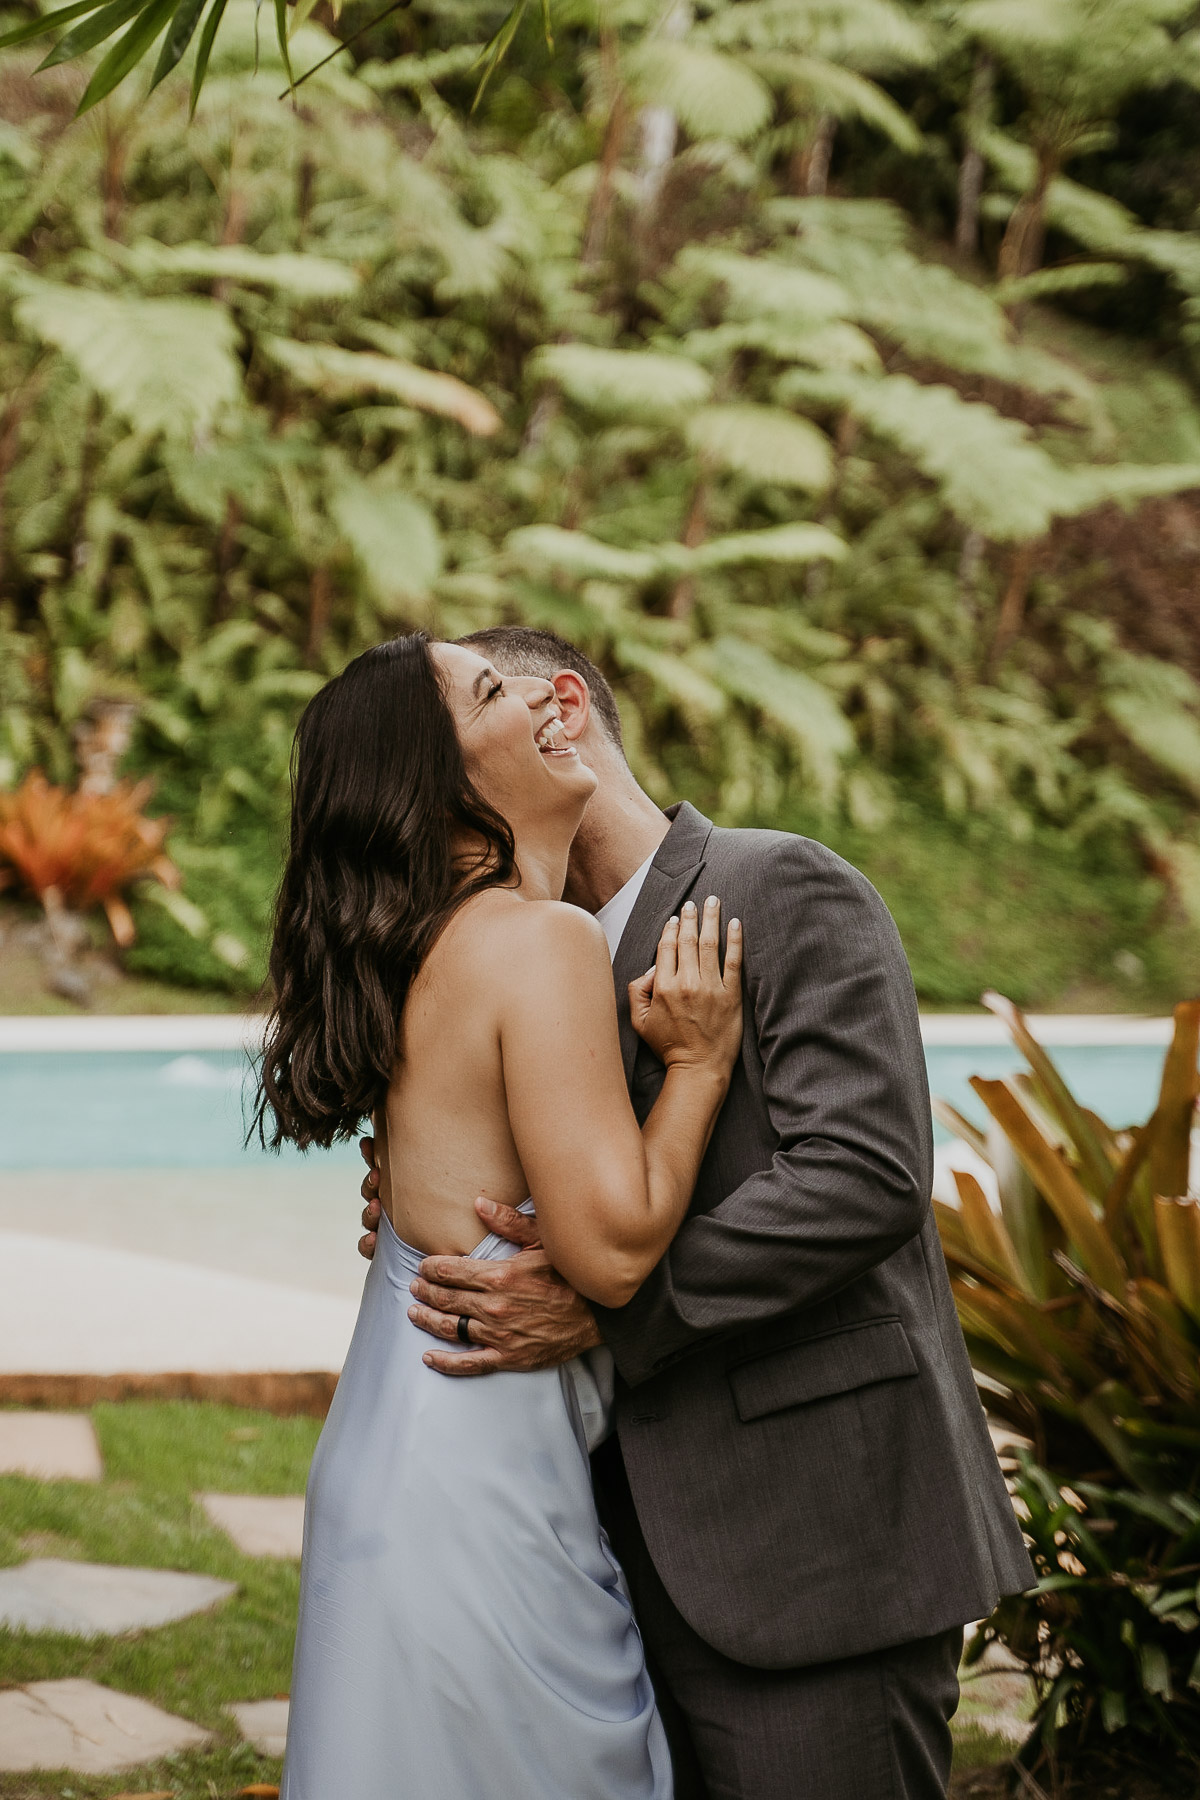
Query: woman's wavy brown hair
[[381, 805]]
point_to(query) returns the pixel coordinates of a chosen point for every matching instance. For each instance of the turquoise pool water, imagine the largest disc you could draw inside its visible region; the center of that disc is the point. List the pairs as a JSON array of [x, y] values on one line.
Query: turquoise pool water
[[151, 1109]]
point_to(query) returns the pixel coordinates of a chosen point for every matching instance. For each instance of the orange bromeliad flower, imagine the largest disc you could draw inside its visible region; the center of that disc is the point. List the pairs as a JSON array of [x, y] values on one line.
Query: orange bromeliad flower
[[82, 849]]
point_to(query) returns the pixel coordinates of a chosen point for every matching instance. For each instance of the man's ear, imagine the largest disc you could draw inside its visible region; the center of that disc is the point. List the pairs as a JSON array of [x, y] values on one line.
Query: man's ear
[[574, 702]]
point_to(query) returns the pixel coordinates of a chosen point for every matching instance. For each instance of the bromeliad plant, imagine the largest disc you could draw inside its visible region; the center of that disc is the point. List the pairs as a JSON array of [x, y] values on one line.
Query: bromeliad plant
[[1080, 1301], [1080, 1296], [1111, 1637], [78, 850]]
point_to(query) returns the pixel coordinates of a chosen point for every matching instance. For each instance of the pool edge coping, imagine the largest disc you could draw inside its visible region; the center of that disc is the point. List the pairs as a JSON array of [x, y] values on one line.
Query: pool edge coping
[[182, 1032]]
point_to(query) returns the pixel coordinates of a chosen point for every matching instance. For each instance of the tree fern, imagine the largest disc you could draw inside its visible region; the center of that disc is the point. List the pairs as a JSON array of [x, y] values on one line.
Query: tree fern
[[328, 369], [306, 277], [713, 95], [762, 443], [394, 538], [634, 382], [165, 366]]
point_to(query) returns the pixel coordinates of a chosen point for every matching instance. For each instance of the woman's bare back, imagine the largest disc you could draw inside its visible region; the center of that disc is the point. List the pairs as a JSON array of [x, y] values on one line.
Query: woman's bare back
[[444, 1133], [509, 1083]]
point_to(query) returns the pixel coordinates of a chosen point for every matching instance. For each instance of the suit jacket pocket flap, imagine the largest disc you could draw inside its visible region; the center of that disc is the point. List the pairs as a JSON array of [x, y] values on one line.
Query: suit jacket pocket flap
[[817, 1367]]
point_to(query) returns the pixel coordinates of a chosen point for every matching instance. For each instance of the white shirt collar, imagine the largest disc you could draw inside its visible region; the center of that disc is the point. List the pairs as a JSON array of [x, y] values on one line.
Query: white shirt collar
[[614, 914]]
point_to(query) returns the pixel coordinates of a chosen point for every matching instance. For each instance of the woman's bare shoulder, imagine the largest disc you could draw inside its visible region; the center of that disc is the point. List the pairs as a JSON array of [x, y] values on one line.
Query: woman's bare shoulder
[[502, 940], [500, 916], [505, 922]]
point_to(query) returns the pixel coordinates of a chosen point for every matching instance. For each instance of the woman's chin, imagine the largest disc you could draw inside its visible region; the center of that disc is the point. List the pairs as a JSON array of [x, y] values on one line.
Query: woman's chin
[[569, 768]]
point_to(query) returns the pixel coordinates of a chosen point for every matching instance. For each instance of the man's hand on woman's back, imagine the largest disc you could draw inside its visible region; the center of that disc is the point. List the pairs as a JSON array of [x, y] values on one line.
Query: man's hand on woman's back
[[523, 1314]]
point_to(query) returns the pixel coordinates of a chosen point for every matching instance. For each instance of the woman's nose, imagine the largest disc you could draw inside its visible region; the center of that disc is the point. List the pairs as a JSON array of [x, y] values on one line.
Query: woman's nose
[[539, 693]]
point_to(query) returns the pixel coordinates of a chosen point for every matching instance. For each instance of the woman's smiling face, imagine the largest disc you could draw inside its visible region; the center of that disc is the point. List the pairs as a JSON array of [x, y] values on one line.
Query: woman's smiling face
[[513, 744]]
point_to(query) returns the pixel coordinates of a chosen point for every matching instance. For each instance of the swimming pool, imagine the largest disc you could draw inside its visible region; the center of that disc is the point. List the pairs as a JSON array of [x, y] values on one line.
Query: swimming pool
[[114, 1108]]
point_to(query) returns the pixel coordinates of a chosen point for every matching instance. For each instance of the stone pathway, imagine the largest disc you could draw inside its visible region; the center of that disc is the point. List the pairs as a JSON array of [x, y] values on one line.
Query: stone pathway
[[263, 1723], [997, 1697], [95, 1599], [89, 1729], [259, 1524], [49, 1446]]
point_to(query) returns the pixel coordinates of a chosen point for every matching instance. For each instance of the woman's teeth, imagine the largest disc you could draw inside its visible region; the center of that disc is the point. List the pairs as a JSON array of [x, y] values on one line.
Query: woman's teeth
[[551, 741]]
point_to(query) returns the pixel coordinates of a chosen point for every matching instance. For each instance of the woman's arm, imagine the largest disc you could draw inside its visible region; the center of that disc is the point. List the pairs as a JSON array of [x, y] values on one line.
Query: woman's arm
[[610, 1198]]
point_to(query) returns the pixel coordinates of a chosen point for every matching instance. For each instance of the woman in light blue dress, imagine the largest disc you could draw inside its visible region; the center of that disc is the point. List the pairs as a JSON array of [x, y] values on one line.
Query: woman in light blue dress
[[465, 1632]]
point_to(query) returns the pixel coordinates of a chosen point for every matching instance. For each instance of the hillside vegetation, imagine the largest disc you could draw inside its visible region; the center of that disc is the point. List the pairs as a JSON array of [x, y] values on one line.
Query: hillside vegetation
[[825, 368]]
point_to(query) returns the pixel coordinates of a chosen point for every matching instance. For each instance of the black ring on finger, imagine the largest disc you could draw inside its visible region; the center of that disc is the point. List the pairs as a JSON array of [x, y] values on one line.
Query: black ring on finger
[[464, 1329]]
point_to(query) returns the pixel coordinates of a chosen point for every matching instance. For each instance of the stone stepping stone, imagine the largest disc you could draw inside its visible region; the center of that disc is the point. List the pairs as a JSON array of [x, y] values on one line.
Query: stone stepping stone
[[997, 1697], [259, 1524], [49, 1446], [262, 1723], [98, 1600], [88, 1729]]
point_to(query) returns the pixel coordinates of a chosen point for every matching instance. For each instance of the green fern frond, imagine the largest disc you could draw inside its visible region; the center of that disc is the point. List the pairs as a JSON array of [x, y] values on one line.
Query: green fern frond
[[712, 95], [835, 345], [990, 472], [414, 72], [816, 86], [786, 544], [763, 443], [306, 277], [674, 676], [800, 707], [575, 553], [873, 36], [165, 366], [1067, 278], [395, 541], [1158, 709], [640, 383], [759, 287], [328, 369]]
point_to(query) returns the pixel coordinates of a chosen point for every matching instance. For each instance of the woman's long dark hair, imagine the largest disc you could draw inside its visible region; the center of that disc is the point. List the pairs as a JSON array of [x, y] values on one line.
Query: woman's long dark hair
[[381, 803]]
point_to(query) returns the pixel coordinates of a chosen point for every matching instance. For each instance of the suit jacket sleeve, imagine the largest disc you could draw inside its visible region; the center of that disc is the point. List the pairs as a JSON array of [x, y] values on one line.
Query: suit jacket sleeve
[[843, 1078]]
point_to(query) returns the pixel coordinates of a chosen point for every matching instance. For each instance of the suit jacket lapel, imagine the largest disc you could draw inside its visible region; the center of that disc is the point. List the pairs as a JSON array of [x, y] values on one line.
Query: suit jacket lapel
[[669, 880]]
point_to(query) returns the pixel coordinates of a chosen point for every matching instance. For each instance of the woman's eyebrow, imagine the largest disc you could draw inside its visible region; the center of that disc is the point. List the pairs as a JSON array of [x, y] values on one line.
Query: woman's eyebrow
[[486, 673]]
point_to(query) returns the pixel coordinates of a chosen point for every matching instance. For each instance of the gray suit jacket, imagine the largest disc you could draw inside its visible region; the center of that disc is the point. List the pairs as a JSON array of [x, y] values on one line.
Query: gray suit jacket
[[808, 1457]]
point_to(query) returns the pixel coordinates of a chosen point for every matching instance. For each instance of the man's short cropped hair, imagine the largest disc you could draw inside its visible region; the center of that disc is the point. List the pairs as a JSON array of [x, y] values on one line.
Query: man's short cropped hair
[[521, 650]]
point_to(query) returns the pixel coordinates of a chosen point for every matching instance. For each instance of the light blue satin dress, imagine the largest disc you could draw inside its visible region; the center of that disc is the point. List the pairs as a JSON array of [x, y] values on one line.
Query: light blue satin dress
[[465, 1631]]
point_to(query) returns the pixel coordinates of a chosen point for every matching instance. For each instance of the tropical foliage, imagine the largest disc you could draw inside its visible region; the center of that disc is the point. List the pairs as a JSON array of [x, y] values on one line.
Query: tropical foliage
[[611, 353], [1110, 1637], [1078, 1289], [1080, 1295], [80, 850]]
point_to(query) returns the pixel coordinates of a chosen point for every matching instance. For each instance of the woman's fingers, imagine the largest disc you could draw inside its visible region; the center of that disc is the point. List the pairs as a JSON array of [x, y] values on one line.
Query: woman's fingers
[[666, 961], [473, 1362], [688, 953], [508, 1222], [641, 993], [733, 955], [710, 942]]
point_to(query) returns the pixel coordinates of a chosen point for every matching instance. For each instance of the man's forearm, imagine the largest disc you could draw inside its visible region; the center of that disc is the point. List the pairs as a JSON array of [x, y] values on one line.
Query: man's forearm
[[786, 1239], [842, 1073]]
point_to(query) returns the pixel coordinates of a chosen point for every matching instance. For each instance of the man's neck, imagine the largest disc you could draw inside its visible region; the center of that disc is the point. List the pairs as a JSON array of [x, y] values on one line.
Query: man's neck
[[621, 828]]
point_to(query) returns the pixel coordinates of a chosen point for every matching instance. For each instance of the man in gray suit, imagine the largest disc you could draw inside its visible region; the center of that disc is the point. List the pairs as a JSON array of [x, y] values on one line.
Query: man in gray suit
[[801, 1486]]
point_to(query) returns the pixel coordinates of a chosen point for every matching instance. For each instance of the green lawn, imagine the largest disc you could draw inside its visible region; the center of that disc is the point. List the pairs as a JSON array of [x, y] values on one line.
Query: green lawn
[[156, 1456]]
